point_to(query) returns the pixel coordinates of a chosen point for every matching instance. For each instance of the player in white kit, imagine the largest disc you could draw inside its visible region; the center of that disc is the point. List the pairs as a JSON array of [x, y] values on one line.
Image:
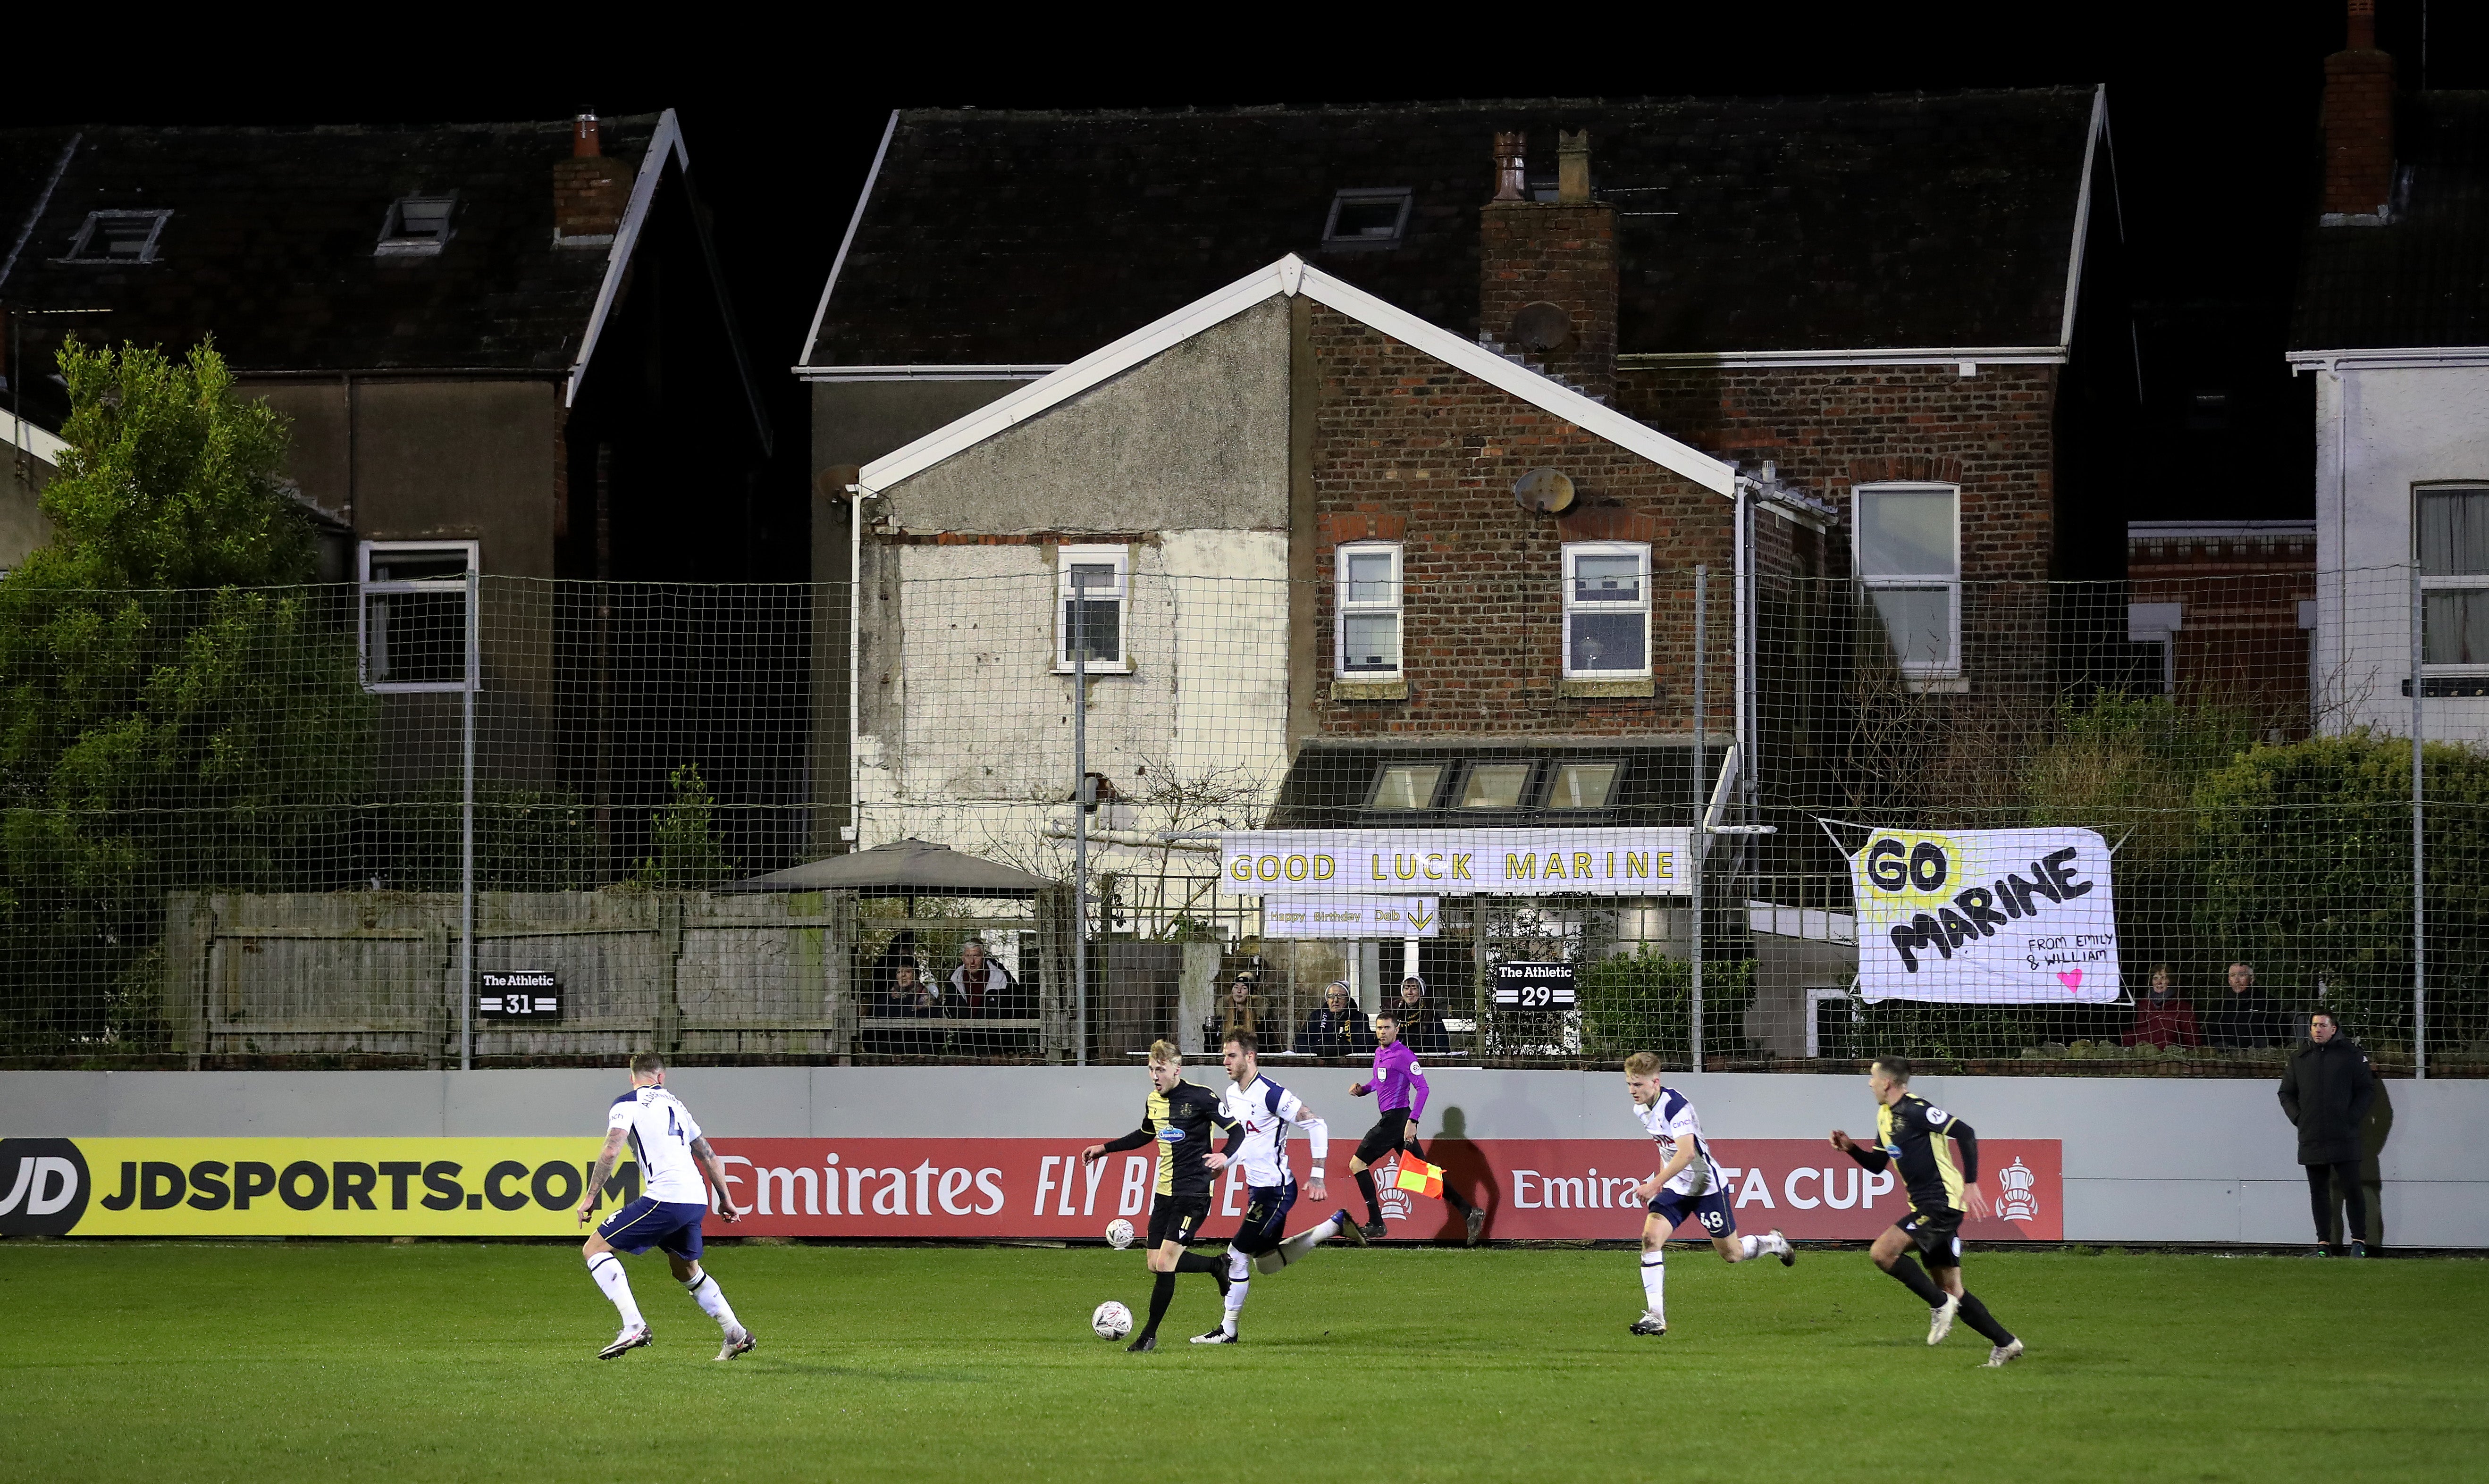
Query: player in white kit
[[1687, 1184], [668, 1214], [1267, 1111]]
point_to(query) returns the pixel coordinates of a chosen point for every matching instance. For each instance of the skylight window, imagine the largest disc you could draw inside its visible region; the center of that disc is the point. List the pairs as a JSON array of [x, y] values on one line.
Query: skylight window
[[117, 237], [1495, 784], [1405, 785], [1368, 218], [416, 225]]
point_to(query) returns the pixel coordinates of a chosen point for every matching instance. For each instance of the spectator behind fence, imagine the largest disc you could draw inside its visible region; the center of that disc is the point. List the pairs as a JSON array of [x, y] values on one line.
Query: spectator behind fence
[[2162, 1018], [1419, 1026], [896, 994], [1336, 1029], [981, 985], [1241, 1011], [2246, 1018], [2326, 1088], [881, 985]]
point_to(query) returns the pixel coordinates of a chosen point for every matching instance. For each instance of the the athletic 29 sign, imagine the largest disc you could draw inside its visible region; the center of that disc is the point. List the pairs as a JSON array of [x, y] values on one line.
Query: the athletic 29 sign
[[1543, 1188]]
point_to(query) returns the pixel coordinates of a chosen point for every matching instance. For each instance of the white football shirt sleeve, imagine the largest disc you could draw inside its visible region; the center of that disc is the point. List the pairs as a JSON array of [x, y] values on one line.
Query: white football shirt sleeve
[[618, 1116]]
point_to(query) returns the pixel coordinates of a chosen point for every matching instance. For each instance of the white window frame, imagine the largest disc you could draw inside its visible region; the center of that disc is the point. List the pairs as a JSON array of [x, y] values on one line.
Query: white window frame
[[2462, 581], [1949, 668], [88, 235], [1343, 607], [1367, 195], [396, 244], [368, 590], [1119, 558], [1573, 550]]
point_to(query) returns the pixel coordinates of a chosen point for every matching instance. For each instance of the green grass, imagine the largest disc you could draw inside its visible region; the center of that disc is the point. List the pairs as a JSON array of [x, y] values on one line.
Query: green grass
[[271, 1362]]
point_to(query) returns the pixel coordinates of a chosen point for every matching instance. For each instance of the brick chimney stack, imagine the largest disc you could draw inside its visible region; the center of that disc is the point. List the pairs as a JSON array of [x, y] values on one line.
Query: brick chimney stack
[[2358, 125], [1547, 270], [589, 191]]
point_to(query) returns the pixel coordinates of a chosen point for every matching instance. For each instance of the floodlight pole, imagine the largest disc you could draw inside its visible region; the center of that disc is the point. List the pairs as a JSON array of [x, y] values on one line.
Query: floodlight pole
[[467, 840]]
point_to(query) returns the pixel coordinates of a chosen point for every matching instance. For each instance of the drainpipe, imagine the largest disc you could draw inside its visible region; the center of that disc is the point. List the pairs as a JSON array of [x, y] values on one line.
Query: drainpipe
[[852, 832]]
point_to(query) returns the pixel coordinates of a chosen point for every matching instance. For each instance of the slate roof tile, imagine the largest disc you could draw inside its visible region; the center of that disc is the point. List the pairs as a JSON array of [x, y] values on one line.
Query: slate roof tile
[[269, 245], [1746, 224]]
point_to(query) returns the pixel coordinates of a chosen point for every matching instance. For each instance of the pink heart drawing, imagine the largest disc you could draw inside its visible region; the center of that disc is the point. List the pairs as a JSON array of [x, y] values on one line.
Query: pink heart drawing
[[2072, 978]]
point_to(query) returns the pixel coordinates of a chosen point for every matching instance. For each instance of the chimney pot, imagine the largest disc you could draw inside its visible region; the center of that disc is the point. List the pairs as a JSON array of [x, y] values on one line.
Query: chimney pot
[[590, 192], [1510, 182], [2361, 33], [1573, 165]]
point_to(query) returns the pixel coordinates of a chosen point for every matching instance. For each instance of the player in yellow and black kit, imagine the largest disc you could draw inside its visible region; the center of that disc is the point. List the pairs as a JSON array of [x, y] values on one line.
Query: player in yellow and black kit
[[1911, 1135], [1179, 1117]]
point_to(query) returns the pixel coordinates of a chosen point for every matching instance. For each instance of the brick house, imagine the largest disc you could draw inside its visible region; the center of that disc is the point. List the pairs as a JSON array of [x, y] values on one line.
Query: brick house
[[2221, 613], [1853, 305], [503, 348]]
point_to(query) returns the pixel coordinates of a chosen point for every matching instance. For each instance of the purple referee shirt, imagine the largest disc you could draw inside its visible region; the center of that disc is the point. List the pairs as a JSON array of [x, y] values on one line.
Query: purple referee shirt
[[1397, 1081]]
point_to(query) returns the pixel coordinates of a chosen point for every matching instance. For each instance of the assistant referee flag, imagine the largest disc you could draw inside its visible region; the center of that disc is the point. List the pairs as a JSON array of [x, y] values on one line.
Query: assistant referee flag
[[1418, 1175]]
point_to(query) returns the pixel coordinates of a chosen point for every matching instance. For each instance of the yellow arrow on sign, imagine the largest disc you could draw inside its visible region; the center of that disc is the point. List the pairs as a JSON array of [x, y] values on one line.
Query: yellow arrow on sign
[[1421, 919]]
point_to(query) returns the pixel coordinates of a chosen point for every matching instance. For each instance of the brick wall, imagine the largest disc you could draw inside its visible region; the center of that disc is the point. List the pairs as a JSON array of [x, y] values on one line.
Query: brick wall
[[1831, 428], [2359, 133], [589, 195], [2240, 642], [1560, 253], [1405, 447]]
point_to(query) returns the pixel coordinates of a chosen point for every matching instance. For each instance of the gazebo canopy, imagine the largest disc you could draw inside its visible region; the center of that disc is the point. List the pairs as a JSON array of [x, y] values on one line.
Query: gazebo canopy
[[904, 868]]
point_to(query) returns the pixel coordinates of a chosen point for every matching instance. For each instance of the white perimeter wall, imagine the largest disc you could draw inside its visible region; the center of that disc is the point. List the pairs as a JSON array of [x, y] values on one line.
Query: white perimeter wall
[[2146, 1159]]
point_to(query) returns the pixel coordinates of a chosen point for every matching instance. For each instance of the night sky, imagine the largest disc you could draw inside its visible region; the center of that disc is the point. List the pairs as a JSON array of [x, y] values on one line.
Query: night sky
[[2213, 110]]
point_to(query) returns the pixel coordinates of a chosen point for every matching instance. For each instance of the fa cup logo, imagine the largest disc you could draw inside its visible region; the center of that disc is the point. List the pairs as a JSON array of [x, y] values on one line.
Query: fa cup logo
[[1387, 1180], [2018, 1204]]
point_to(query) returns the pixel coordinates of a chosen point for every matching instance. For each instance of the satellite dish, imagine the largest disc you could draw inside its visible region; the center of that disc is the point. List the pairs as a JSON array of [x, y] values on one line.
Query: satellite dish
[[1542, 327], [1543, 491]]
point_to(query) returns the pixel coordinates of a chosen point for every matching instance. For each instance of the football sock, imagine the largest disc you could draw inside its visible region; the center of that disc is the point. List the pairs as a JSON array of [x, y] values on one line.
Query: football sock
[[1654, 1285], [1373, 1202], [1915, 1279], [711, 1299], [1975, 1314], [1297, 1246], [1162, 1293], [607, 1269], [1235, 1300], [1457, 1201], [1194, 1262]]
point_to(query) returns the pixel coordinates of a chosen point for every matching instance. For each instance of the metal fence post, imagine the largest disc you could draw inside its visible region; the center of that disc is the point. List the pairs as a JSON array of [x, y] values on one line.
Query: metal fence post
[[1698, 839], [2419, 862], [467, 837], [1080, 630]]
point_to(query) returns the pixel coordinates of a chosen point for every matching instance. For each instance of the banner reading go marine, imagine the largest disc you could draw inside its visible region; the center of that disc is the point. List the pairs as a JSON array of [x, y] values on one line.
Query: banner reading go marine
[[1986, 917]]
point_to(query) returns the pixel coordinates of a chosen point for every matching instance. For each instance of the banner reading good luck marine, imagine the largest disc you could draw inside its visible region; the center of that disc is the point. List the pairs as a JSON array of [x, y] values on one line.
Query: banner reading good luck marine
[[1986, 917]]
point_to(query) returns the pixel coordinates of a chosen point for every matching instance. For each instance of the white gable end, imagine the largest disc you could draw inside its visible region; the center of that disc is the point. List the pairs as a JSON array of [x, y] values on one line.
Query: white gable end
[[1288, 278]]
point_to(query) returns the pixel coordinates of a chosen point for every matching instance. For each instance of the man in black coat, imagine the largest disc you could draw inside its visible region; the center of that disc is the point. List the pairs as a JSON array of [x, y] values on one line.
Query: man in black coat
[[2327, 1089], [2247, 1018]]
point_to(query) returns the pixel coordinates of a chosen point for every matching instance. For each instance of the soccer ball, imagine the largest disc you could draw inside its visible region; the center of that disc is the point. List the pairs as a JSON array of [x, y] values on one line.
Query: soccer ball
[[1113, 1321], [1119, 1234]]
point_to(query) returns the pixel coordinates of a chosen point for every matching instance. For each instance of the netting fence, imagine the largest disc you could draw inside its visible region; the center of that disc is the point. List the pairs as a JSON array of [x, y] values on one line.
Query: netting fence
[[237, 823]]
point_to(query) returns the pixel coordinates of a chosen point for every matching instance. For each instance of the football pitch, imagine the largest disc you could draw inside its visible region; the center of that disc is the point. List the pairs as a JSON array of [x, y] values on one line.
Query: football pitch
[[278, 1362]]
